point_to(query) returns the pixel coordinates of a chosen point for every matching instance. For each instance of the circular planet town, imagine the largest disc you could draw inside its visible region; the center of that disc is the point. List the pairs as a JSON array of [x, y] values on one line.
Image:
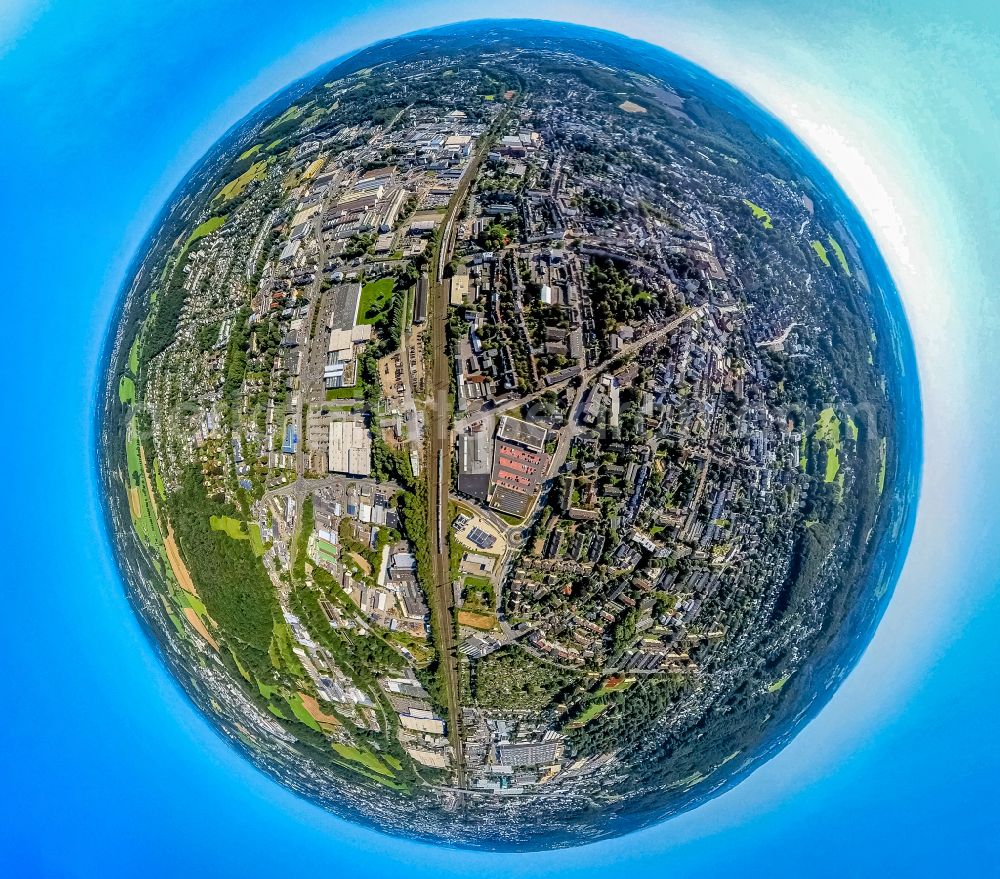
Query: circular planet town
[[507, 437]]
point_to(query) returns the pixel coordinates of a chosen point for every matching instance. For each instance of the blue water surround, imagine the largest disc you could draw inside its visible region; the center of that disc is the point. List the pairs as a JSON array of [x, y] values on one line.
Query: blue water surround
[[897, 362]]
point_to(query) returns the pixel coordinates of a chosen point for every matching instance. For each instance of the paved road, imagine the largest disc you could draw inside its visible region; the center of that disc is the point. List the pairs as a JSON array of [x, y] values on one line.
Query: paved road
[[587, 376]]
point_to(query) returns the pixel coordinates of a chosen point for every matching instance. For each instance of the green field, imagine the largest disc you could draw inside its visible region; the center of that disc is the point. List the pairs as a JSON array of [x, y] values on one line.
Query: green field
[[206, 228], [161, 489], [240, 668], [249, 152], [342, 393], [126, 390], [759, 214], [839, 252], [145, 525], [820, 252], [132, 459], [479, 595], [480, 583], [192, 601], [623, 684], [133, 357], [300, 712], [280, 651], [778, 684], [234, 187], [326, 549], [365, 758], [591, 711], [256, 541], [408, 307], [828, 426], [852, 429], [828, 432], [881, 469], [238, 530], [292, 112], [266, 690], [376, 296], [233, 527]]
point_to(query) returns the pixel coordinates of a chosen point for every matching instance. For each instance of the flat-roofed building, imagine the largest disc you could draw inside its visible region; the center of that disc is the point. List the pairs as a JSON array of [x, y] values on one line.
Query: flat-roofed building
[[519, 466], [474, 563], [422, 227], [529, 753], [351, 203], [350, 448], [384, 174], [458, 290], [342, 351], [514, 430], [433, 759], [389, 207], [289, 251], [344, 313], [420, 299], [361, 333], [375, 185], [475, 460], [422, 721], [340, 342]]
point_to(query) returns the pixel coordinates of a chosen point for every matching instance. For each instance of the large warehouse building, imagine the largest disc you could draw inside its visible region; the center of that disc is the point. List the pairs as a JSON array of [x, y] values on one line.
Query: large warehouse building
[[350, 448]]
